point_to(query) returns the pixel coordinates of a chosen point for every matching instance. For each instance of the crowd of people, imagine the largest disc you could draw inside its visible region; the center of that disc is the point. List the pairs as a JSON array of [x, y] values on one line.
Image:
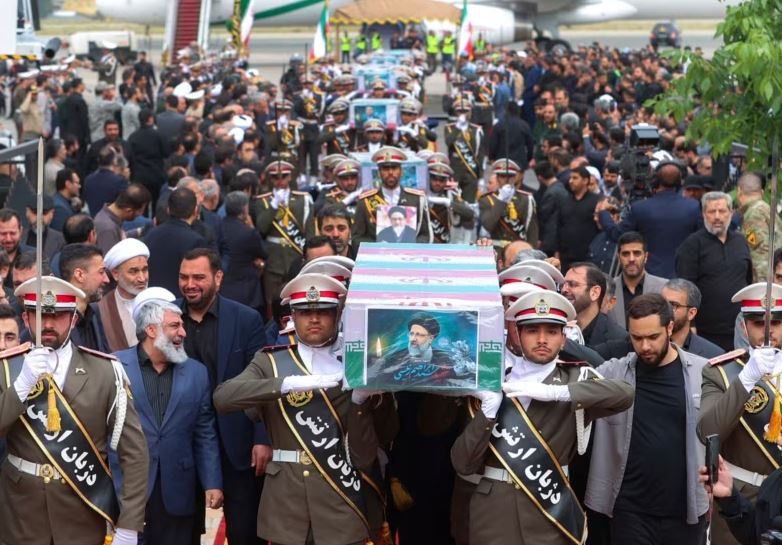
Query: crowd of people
[[200, 229]]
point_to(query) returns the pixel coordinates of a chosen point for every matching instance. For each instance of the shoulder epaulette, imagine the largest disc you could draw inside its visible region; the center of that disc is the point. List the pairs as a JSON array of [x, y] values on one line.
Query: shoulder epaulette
[[728, 356], [489, 194], [527, 193], [271, 122], [368, 193], [414, 191], [264, 195], [295, 192], [294, 122], [16, 350], [98, 353], [574, 363], [275, 347]]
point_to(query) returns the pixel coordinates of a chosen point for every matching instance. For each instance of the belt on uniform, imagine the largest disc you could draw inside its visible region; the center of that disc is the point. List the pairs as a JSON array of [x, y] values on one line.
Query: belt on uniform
[[278, 240], [291, 457], [473, 478], [45, 471], [749, 477], [497, 474]]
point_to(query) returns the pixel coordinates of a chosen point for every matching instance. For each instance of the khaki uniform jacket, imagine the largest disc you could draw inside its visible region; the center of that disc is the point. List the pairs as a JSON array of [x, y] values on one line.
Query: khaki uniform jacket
[[473, 138], [285, 143], [495, 213], [281, 256], [35, 513], [364, 222], [296, 499], [337, 142], [442, 217], [499, 512], [720, 411]]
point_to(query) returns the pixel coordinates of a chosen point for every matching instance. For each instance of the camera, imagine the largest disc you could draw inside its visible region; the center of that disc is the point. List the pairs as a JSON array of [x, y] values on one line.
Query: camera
[[635, 168]]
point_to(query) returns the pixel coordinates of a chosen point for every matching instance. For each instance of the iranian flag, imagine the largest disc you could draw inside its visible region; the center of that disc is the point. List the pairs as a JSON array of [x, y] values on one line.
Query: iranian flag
[[241, 23], [465, 33], [321, 35]]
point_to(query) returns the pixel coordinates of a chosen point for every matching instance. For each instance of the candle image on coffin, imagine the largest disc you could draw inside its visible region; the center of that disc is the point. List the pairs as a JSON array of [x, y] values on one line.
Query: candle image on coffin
[[378, 349]]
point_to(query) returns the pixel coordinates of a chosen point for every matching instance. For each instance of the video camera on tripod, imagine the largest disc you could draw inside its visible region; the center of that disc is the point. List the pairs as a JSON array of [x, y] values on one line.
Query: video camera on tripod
[[635, 167]]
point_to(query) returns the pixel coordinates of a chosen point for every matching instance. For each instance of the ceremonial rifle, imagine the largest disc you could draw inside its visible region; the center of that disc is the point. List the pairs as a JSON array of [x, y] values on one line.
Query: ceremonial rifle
[[775, 422]]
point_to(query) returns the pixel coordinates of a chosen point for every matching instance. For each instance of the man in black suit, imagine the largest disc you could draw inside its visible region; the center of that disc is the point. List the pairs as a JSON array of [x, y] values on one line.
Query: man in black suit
[[170, 121], [170, 241], [148, 151], [243, 253], [104, 185], [397, 231], [224, 336], [74, 115], [113, 136]]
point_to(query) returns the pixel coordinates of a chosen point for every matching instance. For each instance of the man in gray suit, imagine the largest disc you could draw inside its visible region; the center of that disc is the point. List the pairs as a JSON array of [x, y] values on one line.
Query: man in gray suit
[[169, 122], [634, 280]]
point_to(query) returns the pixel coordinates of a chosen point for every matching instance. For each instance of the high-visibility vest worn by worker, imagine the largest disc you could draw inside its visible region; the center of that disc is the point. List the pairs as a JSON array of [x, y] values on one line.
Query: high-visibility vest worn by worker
[[344, 44], [361, 43], [449, 45], [377, 41], [432, 44]]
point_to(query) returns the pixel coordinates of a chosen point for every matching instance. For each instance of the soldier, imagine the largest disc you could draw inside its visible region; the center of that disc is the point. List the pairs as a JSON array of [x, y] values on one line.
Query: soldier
[[521, 442], [737, 400], [446, 206], [313, 491], [375, 136], [61, 408], [509, 213], [107, 66], [465, 149], [286, 220], [308, 106], [389, 161], [756, 222], [337, 134], [413, 133], [327, 165], [282, 135], [483, 93], [347, 189]]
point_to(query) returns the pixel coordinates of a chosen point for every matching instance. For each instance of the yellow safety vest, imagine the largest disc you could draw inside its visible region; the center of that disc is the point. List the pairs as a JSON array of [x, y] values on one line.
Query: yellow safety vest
[[449, 45], [361, 44], [377, 42], [432, 44], [345, 44]]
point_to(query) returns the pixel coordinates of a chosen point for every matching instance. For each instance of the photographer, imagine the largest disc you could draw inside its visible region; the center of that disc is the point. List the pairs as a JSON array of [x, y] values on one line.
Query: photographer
[[748, 523], [664, 219]]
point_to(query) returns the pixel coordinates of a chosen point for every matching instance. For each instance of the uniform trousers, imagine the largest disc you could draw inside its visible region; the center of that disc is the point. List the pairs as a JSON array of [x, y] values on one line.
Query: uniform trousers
[[242, 490], [629, 528], [163, 528]]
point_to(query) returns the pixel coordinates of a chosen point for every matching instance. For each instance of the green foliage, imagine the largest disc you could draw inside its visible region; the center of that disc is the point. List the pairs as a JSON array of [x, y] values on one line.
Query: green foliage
[[736, 96]]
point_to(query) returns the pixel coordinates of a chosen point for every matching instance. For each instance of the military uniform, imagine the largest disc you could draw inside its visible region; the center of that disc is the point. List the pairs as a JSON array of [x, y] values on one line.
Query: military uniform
[[283, 143], [483, 107], [755, 225], [337, 142], [466, 153], [39, 506], [309, 110], [298, 504], [446, 208], [516, 220], [283, 250], [365, 220]]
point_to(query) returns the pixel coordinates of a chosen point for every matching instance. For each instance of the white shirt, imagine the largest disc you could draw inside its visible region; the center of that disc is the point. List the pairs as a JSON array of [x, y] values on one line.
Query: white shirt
[[392, 197], [372, 147], [320, 361], [527, 371]]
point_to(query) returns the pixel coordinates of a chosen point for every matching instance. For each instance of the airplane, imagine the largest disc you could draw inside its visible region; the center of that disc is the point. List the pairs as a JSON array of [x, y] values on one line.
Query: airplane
[[499, 21]]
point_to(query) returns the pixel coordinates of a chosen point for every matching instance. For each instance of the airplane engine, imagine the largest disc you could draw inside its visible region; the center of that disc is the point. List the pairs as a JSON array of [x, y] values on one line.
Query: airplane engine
[[499, 26]]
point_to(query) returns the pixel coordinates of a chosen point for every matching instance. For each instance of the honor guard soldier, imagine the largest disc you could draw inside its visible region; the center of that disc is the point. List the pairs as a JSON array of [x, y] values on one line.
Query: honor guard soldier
[[413, 133], [375, 136], [738, 398], [521, 442], [286, 219], [61, 408], [509, 213], [314, 490], [465, 149], [446, 206], [347, 189], [389, 161], [308, 106], [483, 95], [282, 135], [337, 134], [327, 165]]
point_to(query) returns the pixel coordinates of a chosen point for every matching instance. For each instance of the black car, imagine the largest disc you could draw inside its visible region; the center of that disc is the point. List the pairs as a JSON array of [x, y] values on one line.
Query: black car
[[665, 34]]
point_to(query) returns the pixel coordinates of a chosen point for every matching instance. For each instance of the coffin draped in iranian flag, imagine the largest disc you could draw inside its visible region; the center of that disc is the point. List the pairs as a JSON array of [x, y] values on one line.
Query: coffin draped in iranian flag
[[424, 317]]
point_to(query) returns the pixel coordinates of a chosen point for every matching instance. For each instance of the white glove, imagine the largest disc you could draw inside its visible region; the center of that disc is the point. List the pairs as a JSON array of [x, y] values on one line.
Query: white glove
[[125, 537], [439, 200], [461, 122], [342, 128], [282, 122], [406, 129], [536, 390], [305, 383], [351, 197], [37, 362], [490, 403], [506, 192], [279, 199], [359, 397], [761, 362]]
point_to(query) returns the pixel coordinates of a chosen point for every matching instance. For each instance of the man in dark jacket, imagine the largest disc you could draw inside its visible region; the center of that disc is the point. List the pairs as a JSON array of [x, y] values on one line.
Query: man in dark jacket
[[170, 122], [74, 115], [170, 241], [148, 151], [104, 185], [511, 138]]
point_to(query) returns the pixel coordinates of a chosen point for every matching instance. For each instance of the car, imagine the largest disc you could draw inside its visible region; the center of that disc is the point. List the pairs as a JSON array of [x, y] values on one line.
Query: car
[[665, 34]]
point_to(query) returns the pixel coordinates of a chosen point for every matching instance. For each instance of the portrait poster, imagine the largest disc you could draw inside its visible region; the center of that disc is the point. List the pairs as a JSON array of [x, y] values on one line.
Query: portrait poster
[[396, 223], [413, 348]]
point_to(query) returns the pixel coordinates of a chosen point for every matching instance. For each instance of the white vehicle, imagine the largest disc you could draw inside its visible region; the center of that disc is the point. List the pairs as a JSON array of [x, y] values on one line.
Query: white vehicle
[[500, 21], [89, 45]]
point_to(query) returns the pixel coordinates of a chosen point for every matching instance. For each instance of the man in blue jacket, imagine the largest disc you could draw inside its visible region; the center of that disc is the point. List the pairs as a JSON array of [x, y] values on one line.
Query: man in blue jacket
[[172, 396], [664, 220]]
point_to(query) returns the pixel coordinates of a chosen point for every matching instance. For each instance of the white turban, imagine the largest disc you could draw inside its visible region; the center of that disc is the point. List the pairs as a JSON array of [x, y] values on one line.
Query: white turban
[[160, 295], [123, 251]]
